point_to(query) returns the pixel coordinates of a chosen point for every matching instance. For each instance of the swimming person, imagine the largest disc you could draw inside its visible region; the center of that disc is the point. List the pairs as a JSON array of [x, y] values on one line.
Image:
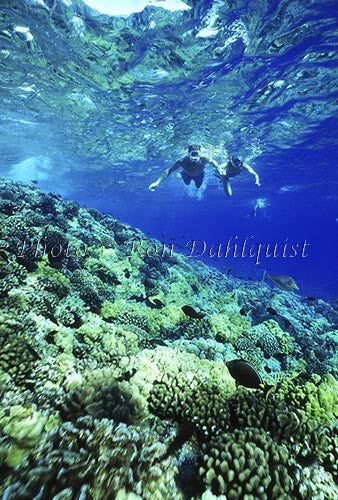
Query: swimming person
[[192, 165], [231, 168]]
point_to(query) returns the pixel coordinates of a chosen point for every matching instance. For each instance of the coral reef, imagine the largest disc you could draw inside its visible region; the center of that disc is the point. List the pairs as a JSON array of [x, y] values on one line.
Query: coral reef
[[108, 390], [102, 395], [248, 465], [96, 459]]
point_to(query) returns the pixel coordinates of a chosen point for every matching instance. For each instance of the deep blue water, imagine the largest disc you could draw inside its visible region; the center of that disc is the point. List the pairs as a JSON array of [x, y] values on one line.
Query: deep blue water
[[98, 122]]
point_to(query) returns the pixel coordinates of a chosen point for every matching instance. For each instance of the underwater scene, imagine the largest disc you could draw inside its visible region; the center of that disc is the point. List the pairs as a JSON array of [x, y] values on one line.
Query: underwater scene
[[168, 249]]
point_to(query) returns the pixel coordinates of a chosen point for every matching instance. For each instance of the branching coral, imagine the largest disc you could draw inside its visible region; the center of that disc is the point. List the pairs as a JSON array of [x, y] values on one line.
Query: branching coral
[[17, 356], [98, 459], [52, 280], [191, 328], [22, 427], [11, 274], [138, 322], [91, 289], [316, 396], [70, 311], [203, 406], [324, 441], [228, 326], [249, 442], [263, 341]]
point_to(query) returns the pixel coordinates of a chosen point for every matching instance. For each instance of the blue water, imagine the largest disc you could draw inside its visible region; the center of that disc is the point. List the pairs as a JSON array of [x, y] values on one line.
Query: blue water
[[97, 107]]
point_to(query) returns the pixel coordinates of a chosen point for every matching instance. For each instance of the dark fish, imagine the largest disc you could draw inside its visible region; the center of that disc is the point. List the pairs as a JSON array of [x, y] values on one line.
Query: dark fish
[[245, 374], [156, 341], [192, 313], [154, 302], [229, 271], [242, 312], [272, 311], [137, 298], [126, 376], [307, 460], [287, 322], [32, 351], [4, 255], [34, 181], [127, 273], [310, 299]]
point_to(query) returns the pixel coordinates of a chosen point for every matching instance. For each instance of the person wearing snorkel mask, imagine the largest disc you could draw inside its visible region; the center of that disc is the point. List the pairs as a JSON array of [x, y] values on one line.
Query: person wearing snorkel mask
[[231, 168], [192, 166]]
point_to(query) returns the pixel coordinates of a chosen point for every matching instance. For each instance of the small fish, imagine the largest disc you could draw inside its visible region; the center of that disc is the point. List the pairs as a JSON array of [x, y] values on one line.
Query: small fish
[[4, 255], [229, 271], [244, 312], [271, 310], [287, 322], [282, 281], [306, 456], [310, 299], [34, 181], [126, 376], [307, 460], [245, 374], [137, 298], [156, 341], [192, 313], [127, 273], [154, 302]]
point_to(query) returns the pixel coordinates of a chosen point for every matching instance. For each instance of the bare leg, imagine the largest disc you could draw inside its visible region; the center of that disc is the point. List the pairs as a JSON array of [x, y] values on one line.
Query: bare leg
[[227, 186]]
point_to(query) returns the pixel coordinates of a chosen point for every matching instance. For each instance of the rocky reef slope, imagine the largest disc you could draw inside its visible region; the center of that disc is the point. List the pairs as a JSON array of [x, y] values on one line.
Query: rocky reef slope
[[109, 390]]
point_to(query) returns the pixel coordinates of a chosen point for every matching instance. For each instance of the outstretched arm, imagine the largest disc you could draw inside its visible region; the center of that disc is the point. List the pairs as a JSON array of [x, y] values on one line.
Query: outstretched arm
[[165, 174], [217, 167], [252, 172]]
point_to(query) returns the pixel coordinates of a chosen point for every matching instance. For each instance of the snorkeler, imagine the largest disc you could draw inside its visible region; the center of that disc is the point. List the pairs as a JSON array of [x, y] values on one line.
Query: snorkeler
[[231, 168], [193, 166]]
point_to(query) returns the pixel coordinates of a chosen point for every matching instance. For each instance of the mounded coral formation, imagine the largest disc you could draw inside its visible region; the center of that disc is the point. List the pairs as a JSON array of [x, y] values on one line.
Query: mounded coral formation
[[96, 459], [264, 341], [101, 395], [248, 465], [248, 443], [17, 354], [106, 393]]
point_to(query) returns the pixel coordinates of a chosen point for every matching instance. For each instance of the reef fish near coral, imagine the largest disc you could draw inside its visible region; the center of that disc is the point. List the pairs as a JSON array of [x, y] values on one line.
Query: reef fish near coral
[[192, 313], [282, 281], [245, 374], [154, 302]]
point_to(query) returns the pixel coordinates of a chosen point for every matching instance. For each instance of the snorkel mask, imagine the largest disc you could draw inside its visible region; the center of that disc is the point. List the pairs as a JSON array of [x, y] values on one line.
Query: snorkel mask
[[236, 162], [194, 152]]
